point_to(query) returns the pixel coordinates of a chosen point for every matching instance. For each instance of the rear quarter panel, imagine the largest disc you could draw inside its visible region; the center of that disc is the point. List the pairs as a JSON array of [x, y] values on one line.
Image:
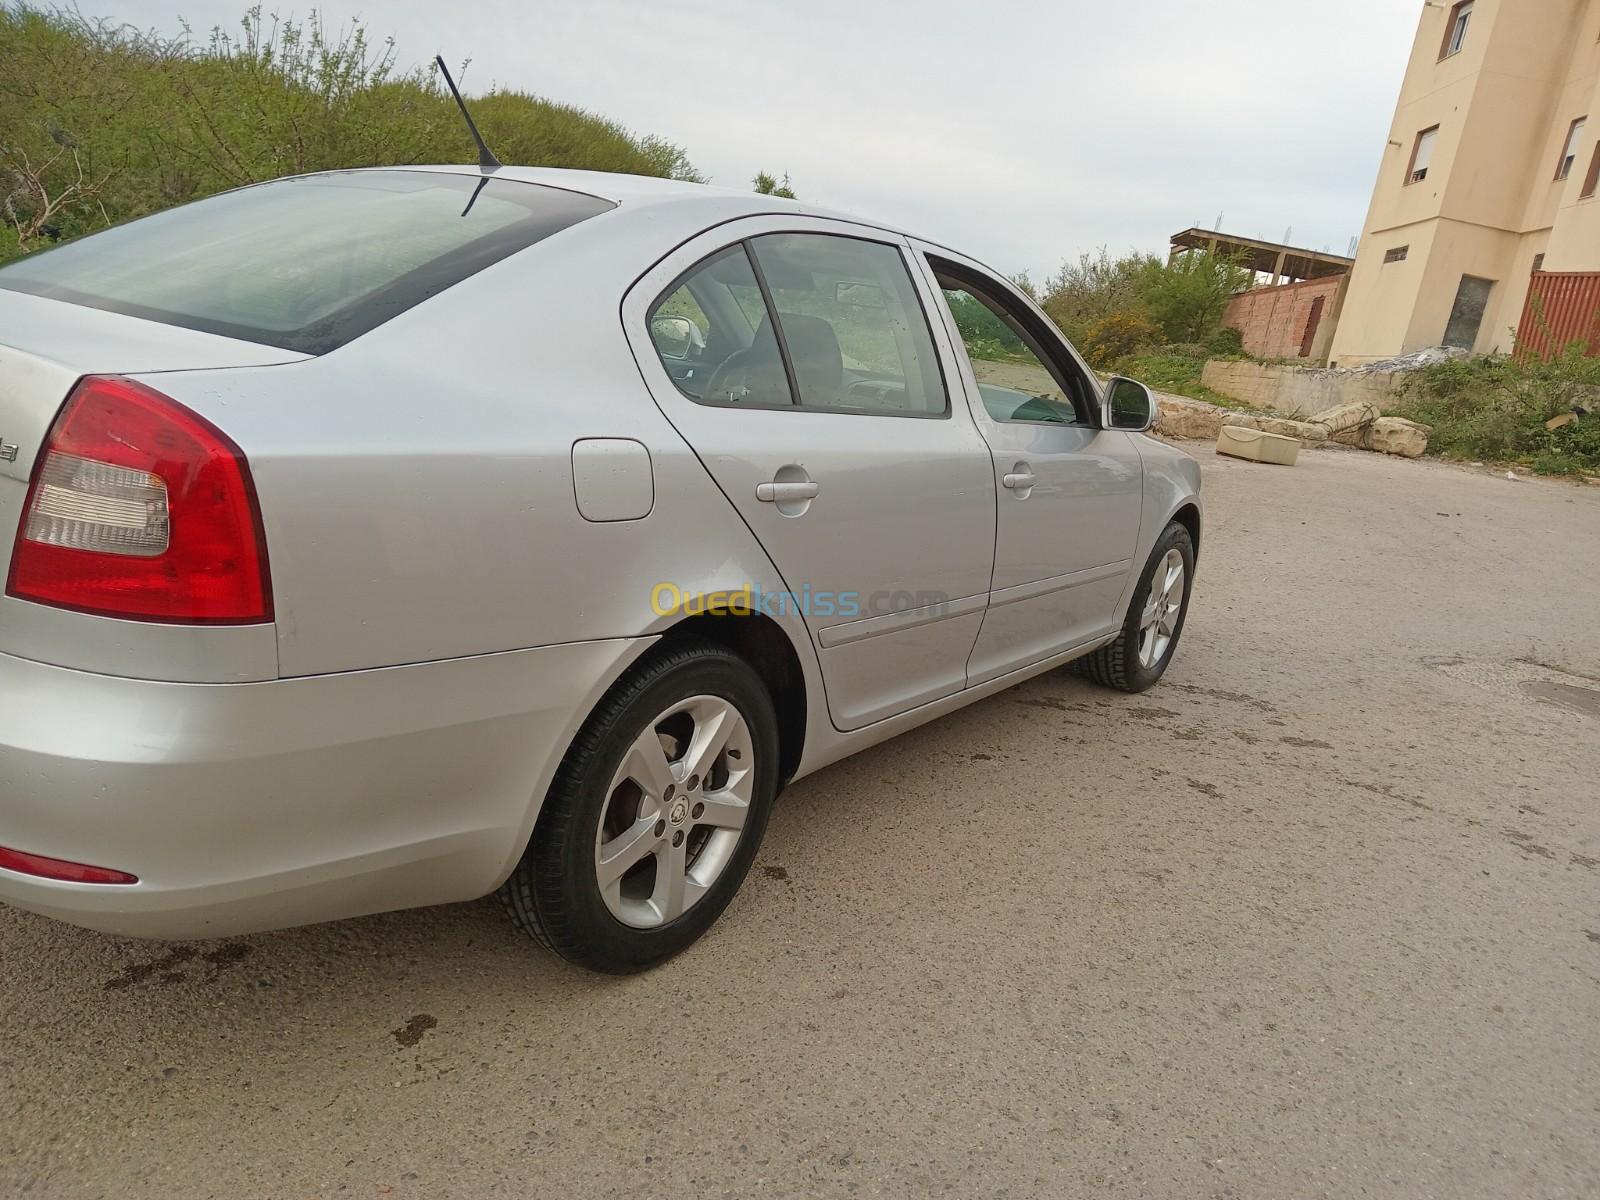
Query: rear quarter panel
[[46, 346], [416, 485]]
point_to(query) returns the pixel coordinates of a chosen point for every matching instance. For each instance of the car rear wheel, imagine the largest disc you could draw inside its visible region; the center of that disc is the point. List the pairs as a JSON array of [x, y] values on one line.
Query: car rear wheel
[[655, 814], [1149, 638]]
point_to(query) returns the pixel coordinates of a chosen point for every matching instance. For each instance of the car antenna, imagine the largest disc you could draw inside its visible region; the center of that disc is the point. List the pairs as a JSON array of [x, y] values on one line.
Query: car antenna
[[486, 159]]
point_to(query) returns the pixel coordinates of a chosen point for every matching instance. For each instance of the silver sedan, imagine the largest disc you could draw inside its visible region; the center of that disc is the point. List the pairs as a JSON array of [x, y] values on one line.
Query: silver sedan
[[389, 538]]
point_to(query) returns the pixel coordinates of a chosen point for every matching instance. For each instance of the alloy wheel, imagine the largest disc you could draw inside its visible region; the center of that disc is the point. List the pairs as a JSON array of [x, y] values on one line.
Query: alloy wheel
[[675, 811], [1159, 621]]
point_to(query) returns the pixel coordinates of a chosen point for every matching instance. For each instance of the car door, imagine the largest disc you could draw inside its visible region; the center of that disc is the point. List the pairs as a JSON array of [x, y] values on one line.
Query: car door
[[811, 390], [1068, 492]]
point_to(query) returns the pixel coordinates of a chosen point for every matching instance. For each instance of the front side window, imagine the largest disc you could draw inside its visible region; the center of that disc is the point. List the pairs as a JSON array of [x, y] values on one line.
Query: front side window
[[1016, 377], [308, 263], [850, 334]]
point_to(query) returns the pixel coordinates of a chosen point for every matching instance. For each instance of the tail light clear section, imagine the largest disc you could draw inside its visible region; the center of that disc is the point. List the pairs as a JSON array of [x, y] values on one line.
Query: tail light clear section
[[90, 505], [144, 510]]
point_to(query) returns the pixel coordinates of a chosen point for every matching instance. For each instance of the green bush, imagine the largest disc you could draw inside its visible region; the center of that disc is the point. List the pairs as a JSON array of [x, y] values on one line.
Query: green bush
[[1494, 408], [1226, 342], [101, 123], [1093, 288], [1117, 336], [1186, 297]]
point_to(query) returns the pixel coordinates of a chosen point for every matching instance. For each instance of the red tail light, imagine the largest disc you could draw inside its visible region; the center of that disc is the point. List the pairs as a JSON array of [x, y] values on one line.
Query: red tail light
[[143, 510], [59, 868]]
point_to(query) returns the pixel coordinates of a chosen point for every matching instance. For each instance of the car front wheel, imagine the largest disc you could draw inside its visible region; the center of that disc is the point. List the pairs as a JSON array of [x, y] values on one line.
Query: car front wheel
[[655, 814], [1149, 637]]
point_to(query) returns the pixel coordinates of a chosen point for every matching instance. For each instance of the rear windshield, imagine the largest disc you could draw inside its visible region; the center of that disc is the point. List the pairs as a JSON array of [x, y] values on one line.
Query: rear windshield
[[306, 264]]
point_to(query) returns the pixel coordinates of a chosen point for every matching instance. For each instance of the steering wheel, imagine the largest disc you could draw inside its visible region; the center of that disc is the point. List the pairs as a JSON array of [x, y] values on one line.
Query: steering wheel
[[721, 378], [750, 375]]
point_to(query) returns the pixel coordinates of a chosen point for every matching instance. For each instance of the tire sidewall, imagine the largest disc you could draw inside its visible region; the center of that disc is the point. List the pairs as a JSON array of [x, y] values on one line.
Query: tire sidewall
[[570, 857]]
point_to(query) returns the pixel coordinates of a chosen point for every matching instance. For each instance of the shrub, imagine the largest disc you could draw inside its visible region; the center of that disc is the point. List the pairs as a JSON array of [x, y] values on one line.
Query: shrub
[[767, 184], [1494, 407], [101, 123], [1188, 296], [1226, 342], [1092, 288], [1117, 336]]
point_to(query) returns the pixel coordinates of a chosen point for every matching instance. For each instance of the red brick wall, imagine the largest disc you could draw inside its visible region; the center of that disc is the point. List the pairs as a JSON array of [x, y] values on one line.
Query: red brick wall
[[1274, 320]]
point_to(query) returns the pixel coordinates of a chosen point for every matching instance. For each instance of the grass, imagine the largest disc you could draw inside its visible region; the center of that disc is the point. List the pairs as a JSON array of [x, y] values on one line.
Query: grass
[[1178, 374], [1493, 408]]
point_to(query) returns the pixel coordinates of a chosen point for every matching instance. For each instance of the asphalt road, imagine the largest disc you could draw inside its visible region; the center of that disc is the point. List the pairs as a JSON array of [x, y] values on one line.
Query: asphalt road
[[1319, 916]]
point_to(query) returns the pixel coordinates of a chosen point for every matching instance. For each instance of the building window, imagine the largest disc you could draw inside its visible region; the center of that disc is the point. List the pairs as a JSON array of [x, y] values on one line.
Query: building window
[[1569, 155], [1591, 181], [1421, 156], [1455, 30], [1538, 263], [1398, 254]]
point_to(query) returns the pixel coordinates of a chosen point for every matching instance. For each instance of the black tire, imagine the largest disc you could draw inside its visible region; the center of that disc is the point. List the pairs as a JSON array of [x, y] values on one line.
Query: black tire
[[1116, 664], [554, 895]]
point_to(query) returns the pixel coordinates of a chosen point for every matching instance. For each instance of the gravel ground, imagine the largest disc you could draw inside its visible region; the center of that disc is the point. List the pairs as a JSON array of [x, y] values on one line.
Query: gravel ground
[[1318, 916]]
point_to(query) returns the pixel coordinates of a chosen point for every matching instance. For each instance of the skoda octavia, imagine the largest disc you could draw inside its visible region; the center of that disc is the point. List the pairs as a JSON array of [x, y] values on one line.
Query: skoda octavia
[[394, 537]]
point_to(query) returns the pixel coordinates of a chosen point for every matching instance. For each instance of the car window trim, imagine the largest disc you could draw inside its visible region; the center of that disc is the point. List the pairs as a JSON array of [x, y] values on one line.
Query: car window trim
[[894, 241], [1032, 336], [774, 322]]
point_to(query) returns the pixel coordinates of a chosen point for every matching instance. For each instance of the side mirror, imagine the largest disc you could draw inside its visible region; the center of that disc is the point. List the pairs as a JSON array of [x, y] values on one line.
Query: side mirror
[[1130, 405], [674, 336]]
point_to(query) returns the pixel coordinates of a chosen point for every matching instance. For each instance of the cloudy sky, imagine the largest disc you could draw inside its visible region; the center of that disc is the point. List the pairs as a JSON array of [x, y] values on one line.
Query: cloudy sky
[[1021, 131]]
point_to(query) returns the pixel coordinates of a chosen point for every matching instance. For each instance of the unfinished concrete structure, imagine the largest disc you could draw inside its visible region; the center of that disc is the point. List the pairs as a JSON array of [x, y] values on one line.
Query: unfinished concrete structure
[[1293, 319], [1487, 190]]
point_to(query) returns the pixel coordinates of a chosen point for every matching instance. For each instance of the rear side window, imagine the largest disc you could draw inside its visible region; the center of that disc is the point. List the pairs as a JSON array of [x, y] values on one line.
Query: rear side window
[[307, 264], [851, 335], [854, 327]]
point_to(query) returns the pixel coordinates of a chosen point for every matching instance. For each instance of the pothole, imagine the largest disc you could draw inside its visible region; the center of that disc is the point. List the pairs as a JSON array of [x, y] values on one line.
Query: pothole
[[1573, 697], [1525, 680]]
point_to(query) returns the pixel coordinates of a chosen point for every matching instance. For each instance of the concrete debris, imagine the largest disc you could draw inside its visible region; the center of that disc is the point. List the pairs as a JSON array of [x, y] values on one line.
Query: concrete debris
[[1392, 435], [1414, 361], [1256, 446], [1358, 425], [1346, 418], [1192, 419]]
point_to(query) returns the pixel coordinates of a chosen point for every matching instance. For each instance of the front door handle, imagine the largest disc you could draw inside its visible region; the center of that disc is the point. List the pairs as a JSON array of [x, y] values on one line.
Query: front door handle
[[1020, 481], [786, 493]]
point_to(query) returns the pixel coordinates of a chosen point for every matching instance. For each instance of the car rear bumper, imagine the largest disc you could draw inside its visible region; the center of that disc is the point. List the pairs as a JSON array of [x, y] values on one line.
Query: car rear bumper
[[252, 806]]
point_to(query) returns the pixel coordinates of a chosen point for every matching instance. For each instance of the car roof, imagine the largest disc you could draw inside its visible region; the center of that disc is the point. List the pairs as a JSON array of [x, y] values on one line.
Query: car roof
[[638, 191]]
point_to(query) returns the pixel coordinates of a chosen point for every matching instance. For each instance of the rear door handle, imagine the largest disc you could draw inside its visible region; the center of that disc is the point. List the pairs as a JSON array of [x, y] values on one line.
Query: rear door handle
[[1020, 481], [783, 493]]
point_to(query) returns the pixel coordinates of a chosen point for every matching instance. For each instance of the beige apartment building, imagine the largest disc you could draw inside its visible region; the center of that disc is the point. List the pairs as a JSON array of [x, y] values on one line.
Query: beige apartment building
[[1490, 175]]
